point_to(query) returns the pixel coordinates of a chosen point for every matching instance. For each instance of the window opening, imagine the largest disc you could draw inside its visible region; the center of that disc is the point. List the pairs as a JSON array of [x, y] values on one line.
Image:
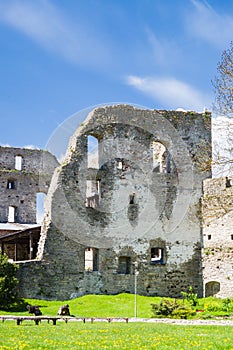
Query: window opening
[[157, 255], [161, 159], [124, 265], [122, 164], [119, 164], [11, 213], [228, 183], [92, 152], [232, 237], [40, 198], [11, 184], [212, 288], [18, 162], [92, 193], [91, 259], [132, 198], [209, 237]]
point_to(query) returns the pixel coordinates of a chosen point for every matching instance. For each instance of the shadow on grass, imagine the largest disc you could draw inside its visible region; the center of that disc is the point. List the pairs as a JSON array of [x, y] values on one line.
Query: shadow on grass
[[19, 306]]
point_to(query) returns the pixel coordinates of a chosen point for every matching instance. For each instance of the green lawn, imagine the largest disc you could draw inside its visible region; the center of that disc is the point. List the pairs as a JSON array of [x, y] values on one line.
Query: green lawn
[[121, 305], [99, 336]]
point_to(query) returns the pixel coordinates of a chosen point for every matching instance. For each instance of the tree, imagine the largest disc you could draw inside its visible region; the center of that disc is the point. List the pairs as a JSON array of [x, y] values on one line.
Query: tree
[[223, 83], [8, 282]]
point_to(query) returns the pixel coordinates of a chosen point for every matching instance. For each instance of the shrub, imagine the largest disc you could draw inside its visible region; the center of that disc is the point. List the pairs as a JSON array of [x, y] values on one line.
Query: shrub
[[163, 308], [8, 282], [172, 309], [190, 296], [183, 311], [227, 305]]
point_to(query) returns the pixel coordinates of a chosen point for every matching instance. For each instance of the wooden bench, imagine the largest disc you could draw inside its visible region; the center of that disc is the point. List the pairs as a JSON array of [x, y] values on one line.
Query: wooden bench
[[38, 319]]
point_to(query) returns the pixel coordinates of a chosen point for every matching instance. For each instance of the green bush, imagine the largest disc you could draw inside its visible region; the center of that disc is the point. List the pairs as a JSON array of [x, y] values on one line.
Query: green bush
[[8, 282], [164, 308], [190, 296], [183, 311], [172, 309], [227, 305]]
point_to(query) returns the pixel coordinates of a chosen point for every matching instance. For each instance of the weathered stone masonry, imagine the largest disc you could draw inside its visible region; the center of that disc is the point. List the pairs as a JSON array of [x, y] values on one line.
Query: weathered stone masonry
[[217, 213], [139, 204], [23, 174]]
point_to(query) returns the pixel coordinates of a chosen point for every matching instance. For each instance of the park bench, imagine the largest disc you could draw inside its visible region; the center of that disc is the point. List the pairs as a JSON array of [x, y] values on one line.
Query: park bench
[[38, 319]]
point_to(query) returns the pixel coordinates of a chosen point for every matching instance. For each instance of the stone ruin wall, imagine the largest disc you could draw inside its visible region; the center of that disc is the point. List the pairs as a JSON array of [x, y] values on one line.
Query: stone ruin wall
[[115, 229], [217, 212], [18, 188]]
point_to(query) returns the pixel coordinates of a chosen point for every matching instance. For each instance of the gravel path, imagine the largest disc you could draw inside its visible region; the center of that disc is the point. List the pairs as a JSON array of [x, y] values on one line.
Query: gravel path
[[220, 322]]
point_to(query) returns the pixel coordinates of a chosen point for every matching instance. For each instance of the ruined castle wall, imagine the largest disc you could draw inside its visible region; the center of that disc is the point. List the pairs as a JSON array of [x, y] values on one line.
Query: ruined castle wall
[[23, 174], [217, 211], [135, 209]]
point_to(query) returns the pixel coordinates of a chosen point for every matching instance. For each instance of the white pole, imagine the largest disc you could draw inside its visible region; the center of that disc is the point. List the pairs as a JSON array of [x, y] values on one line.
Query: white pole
[[135, 288]]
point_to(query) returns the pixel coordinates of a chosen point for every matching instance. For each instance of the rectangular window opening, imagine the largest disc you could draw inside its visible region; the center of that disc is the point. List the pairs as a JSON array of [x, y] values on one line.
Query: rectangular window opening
[[209, 237], [18, 162], [11, 213], [124, 265], [92, 152], [122, 165], [157, 256], [91, 259], [92, 193], [11, 184]]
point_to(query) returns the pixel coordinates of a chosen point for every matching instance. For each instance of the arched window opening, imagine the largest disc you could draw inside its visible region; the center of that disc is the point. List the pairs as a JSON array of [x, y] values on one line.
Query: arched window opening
[[40, 198], [124, 265], [212, 288], [18, 162], [11, 213], [91, 259], [161, 158], [92, 152]]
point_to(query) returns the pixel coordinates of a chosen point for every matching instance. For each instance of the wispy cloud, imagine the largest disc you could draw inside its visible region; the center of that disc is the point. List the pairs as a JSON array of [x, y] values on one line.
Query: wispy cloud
[[210, 25], [48, 27], [170, 92], [161, 49]]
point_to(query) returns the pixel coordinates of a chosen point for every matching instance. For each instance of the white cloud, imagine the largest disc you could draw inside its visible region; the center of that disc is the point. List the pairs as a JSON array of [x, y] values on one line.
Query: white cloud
[[161, 49], [44, 24], [170, 92], [30, 147], [210, 25], [15, 146], [5, 145]]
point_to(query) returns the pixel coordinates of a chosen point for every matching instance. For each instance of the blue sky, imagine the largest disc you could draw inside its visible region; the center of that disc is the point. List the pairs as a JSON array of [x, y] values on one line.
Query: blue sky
[[59, 57]]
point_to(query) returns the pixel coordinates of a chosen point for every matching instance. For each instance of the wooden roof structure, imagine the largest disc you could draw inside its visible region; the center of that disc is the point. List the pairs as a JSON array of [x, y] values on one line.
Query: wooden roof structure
[[21, 245]]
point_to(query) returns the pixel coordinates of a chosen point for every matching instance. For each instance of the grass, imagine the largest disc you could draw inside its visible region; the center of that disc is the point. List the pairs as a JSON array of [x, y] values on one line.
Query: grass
[[113, 336], [121, 305], [143, 336]]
